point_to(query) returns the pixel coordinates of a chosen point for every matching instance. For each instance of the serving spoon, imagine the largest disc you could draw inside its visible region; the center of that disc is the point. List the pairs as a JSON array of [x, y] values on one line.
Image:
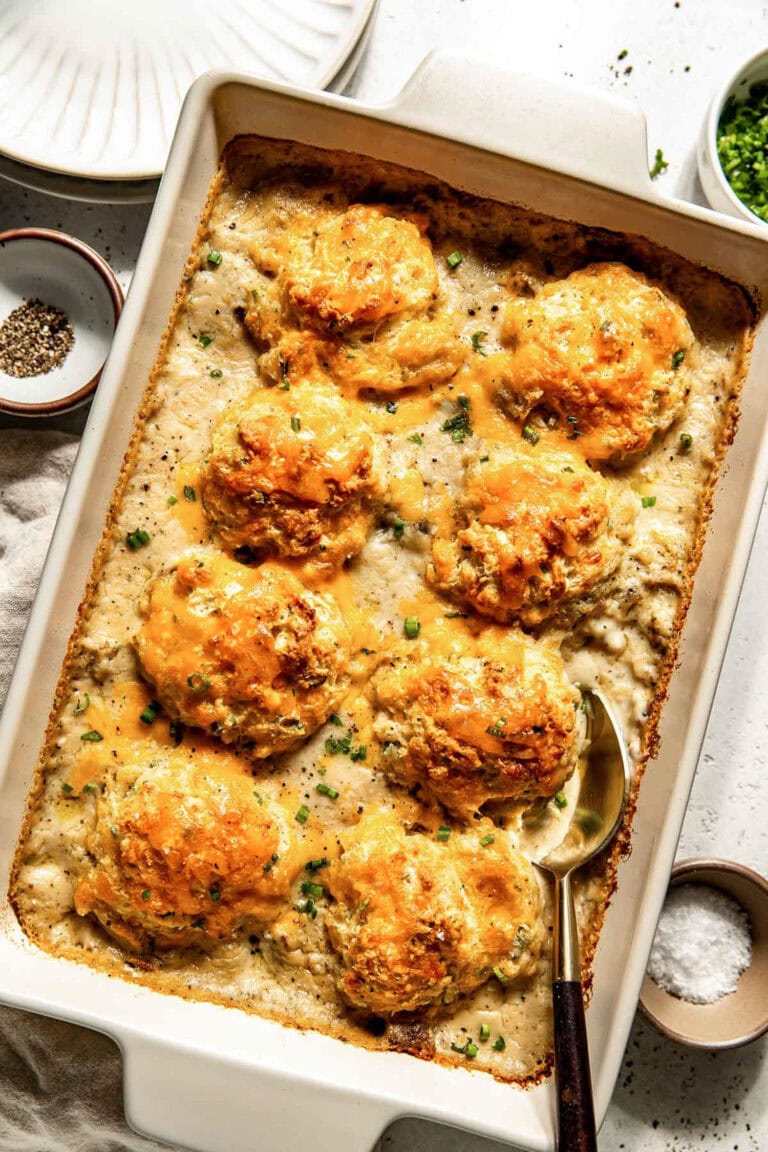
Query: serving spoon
[[602, 800]]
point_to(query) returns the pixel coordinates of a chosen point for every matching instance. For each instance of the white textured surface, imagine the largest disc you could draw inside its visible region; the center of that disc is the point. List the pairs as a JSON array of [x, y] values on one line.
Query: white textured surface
[[95, 88], [667, 1098]]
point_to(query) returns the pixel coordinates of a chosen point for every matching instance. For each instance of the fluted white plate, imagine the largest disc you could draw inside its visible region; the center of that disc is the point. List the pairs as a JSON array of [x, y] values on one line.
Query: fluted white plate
[[92, 88]]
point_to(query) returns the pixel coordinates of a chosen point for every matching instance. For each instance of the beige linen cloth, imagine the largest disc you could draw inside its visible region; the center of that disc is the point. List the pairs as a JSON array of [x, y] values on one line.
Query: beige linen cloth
[[60, 1086]]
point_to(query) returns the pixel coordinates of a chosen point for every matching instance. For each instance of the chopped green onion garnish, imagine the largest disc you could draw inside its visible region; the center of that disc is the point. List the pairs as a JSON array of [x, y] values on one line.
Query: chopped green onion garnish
[[309, 888], [198, 682], [149, 715], [499, 1044], [358, 753], [316, 865], [295, 424], [271, 862], [214, 257], [412, 627], [471, 1050], [66, 789], [742, 137], [495, 730], [146, 894], [398, 528], [485, 1032], [391, 407], [678, 358], [477, 342], [204, 341], [216, 373], [171, 501], [659, 164], [92, 737], [82, 705], [189, 493], [334, 718], [343, 744], [459, 425], [648, 501], [484, 459], [215, 895], [137, 539], [326, 790], [308, 907], [443, 832], [686, 441], [560, 800], [530, 434], [415, 438], [487, 839], [454, 259], [303, 814]]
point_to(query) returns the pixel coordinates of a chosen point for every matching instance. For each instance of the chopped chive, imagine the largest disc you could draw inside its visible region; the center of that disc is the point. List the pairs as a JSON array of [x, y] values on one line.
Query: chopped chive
[[303, 814], [334, 718], [560, 800], [485, 1032], [271, 862], [457, 615], [308, 908], [204, 341], [90, 787], [316, 865], [443, 833], [499, 1044], [454, 259], [487, 839], [198, 682], [459, 425], [295, 424], [412, 627], [623, 54], [477, 342], [686, 441], [398, 528], [530, 434], [215, 895], [189, 493], [149, 715], [171, 501], [501, 976], [677, 359], [214, 257], [415, 438], [391, 407], [495, 730], [309, 888], [146, 894], [659, 164], [67, 789], [343, 744], [358, 753], [92, 737], [216, 373], [82, 705], [484, 459], [326, 790], [137, 539], [114, 829], [471, 1050], [648, 501]]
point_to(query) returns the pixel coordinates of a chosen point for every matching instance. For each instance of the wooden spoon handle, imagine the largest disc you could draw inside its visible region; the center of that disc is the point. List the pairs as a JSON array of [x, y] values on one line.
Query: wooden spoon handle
[[573, 1081]]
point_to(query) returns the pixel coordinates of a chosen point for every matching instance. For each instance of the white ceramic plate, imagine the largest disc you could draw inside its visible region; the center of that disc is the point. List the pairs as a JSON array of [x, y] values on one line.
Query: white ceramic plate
[[94, 89]]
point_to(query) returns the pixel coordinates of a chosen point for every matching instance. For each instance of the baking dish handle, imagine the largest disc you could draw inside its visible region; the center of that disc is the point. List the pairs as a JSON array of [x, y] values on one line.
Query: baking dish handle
[[184, 1097], [583, 132]]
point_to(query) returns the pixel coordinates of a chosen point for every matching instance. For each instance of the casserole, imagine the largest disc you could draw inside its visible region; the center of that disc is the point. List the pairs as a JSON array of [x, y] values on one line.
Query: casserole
[[250, 1076]]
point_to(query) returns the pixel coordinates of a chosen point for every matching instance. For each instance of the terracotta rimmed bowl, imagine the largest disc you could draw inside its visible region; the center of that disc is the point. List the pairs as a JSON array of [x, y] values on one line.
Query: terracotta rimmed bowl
[[66, 273], [742, 1015]]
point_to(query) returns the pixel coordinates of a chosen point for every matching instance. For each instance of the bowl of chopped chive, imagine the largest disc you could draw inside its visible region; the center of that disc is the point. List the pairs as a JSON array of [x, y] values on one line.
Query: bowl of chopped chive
[[707, 975], [733, 146], [59, 306]]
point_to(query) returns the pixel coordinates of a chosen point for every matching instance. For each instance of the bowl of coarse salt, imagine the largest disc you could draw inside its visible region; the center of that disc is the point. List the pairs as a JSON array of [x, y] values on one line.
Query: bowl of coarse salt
[[707, 979]]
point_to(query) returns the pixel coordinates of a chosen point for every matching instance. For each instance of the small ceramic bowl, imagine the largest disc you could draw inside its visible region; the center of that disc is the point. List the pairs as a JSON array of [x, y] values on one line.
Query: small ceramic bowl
[[37, 263], [742, 1015], [716, 187]]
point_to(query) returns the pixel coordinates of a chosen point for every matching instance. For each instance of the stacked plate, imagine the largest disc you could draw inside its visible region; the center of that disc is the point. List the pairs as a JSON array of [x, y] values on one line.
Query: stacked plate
[[90, 92]]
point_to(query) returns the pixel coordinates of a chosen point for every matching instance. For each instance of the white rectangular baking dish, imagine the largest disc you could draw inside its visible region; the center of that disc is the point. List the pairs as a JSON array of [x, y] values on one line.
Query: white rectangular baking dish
[[215, 1079]]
